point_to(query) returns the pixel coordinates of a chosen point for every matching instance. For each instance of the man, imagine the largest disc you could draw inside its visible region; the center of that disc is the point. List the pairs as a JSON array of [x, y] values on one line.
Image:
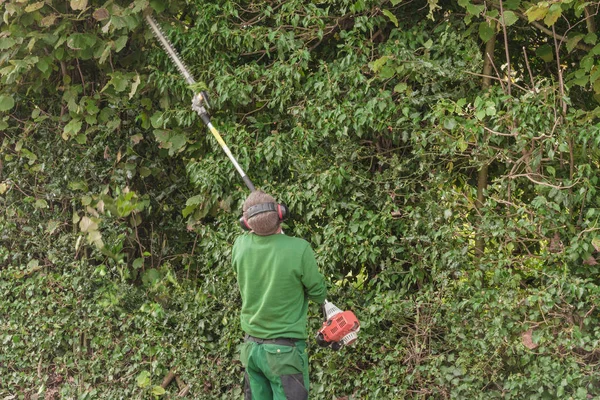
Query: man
[[277, 275]]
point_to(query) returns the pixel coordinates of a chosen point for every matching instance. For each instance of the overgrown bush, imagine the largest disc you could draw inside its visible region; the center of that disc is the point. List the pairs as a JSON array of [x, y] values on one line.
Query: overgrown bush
[[458, 219]]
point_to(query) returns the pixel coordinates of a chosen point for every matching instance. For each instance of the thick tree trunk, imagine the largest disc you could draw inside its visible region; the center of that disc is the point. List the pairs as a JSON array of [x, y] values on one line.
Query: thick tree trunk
[[488, 57]]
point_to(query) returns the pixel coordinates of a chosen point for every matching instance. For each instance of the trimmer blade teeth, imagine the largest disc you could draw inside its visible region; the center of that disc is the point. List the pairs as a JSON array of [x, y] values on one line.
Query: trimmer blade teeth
[[168, 47]]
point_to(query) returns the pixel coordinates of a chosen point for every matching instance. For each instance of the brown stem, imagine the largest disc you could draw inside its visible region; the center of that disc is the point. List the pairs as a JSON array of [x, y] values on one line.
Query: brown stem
[[505, 45], [528, 68], [559, 71], [183, 388], [168, 379], [482, 176]]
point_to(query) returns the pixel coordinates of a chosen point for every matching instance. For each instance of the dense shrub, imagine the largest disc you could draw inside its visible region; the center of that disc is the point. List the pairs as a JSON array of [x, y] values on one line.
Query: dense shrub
[[459, 221]]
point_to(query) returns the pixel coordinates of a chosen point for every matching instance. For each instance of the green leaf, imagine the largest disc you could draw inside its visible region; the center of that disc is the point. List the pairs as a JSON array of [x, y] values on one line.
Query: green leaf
[[144, 172], [163, 138], [188, 210], [138, 263], [177, 143], [157, 120], [7, 43], [105, 53], [449, 123], [596, 50], [596, 86], [486, 32], [378, 64], [475, 9], [158, 5], [194, 200], [81, 41], [537, 12], [400, 88], [590, 38], [391, 17], [387, 72], [510, 18], [6, 102], [149, 278], [553, 15], [41, 203], [52, 226], [545, 52], [118, 81], [120, 43], [143, 379], [158, 390], [572, 42], [72, 128], [512, 4], [43, 65]]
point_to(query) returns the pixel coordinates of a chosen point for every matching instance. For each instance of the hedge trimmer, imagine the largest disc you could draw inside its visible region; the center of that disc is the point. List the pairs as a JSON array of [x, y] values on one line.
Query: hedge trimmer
[[200, 100]]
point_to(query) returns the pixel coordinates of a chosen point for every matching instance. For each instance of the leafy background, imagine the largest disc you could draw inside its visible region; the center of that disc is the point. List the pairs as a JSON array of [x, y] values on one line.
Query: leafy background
[[440, 156]]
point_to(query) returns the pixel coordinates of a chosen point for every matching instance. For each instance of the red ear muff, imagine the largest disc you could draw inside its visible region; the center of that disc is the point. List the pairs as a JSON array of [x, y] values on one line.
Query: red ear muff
[[281, 210], [244, 224]]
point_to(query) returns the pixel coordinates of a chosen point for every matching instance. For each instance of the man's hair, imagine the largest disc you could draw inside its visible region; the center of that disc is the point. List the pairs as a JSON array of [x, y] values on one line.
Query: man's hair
[[263, 224]]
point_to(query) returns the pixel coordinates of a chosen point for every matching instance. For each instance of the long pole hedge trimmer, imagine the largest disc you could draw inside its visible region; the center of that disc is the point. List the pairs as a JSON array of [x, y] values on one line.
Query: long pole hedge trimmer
[[200, 100]]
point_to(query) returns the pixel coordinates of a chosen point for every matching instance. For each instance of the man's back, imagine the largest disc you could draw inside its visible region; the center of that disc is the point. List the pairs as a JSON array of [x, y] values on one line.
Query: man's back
[[277, 275]]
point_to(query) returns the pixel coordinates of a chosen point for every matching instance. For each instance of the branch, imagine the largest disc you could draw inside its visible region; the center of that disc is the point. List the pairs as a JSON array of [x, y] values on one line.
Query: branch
[[528, 176], [505, 45], [548, 32], [168, 379], [515, 134]]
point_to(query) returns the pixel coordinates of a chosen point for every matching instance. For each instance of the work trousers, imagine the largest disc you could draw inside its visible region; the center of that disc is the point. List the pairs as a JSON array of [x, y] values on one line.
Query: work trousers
[[275, 369]]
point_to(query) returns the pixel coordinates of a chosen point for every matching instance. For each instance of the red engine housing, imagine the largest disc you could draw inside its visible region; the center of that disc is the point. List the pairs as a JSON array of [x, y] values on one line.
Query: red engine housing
[[336, 328]]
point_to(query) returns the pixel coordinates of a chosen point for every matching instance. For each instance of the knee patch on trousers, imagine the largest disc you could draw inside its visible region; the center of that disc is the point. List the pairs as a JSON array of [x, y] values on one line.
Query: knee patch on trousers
[[247, 389], [293, 387]]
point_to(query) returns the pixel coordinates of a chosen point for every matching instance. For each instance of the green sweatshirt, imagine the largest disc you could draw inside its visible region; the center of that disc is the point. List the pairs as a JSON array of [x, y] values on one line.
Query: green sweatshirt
[[277, 275]]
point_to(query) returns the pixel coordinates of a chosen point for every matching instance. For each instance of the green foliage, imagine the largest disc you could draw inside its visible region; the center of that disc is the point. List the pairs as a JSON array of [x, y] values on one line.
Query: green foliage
[[118, 209]]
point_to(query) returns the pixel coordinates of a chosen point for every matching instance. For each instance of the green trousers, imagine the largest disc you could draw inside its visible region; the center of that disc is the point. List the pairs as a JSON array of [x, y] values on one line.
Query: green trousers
[[275, 371]]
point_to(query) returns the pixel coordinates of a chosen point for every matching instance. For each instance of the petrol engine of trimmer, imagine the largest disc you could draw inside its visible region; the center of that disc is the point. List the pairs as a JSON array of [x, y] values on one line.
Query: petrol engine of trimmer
[[339, 329]]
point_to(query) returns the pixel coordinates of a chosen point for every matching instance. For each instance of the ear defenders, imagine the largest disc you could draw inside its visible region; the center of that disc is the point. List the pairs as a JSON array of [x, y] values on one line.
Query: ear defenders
[[281, 209]]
